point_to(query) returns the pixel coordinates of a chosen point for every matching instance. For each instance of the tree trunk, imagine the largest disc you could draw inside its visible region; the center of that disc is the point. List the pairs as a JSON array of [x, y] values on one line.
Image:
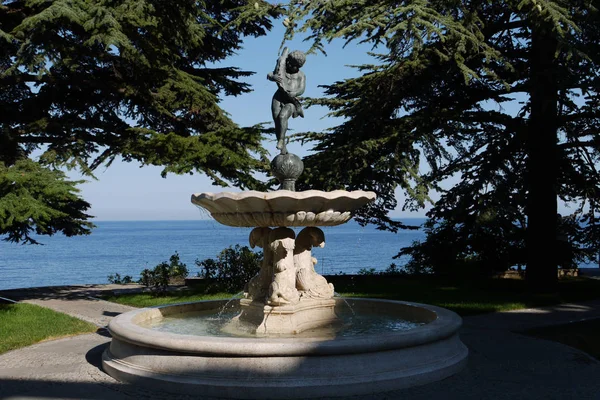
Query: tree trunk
[[542, 205]]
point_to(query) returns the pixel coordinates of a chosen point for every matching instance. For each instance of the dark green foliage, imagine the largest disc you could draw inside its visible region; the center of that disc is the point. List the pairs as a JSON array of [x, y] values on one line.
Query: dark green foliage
[[164, 274], [484, 247], [87, 82], [502, 94], [118, 280], [157, 279], [30, 192], [577, 242], [367, 271], [177, 268], [232, 269], [146, 277], [391, 270]]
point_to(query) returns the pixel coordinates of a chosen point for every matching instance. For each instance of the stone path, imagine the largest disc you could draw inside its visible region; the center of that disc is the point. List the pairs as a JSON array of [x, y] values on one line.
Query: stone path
[[503, 364], [593, 273], [524, 319]]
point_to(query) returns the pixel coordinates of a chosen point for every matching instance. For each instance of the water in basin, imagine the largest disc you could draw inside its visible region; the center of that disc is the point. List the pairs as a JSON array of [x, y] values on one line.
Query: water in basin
[[211, 323]]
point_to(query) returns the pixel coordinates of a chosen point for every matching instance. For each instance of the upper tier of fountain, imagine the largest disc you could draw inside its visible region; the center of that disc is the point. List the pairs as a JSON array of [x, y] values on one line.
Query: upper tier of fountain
[[283, 207]]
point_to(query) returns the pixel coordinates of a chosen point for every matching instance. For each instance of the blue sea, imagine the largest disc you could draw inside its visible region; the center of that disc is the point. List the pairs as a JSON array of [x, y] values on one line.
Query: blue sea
[[127, 247]]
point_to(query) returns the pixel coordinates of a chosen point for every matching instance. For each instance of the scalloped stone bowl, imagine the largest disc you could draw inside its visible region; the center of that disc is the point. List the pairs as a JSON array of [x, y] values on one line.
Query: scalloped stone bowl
[[283, 207]]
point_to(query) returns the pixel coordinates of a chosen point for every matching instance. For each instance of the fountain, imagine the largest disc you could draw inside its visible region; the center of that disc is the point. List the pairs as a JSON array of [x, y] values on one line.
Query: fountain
[[289, 337]]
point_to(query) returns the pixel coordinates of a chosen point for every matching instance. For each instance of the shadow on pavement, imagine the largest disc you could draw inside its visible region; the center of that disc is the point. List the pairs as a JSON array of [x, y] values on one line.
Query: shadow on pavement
[[94, 356], [66, 292]]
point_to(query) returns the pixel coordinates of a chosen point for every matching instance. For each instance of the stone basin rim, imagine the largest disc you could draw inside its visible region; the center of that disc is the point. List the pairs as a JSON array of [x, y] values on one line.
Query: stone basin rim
[[277, 194], [445, 324]]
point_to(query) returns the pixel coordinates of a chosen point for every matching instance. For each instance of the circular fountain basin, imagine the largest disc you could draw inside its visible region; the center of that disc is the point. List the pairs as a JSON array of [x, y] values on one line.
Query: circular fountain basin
[[283, 207], [411, 344]]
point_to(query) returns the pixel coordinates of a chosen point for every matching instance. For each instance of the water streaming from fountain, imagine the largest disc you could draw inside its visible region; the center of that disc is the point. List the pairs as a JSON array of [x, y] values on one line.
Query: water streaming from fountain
[[234, 297], [339, 296]]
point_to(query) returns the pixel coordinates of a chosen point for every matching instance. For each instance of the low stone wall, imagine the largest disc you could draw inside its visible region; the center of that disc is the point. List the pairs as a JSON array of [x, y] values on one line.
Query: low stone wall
[[512, 274], [568, 272]]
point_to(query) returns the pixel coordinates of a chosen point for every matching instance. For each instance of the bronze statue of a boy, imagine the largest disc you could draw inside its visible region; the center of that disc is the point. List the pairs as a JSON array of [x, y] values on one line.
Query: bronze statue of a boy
[[291, 83]]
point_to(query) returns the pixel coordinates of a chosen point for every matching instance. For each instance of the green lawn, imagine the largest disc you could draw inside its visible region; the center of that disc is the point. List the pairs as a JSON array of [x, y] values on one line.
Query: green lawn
[[464, 297], [25, 324], [180, 296], [471, 297], [581, 335]]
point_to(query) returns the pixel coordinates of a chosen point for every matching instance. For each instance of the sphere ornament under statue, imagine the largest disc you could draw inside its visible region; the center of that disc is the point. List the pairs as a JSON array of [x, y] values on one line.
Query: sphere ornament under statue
[[288, 337], [287, 168]]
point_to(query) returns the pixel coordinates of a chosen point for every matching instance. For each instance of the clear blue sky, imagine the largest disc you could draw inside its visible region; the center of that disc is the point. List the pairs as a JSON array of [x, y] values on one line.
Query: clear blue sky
[[125, 191]]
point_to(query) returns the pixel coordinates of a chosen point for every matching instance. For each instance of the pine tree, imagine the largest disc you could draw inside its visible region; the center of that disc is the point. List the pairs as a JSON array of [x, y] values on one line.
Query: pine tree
[[436, 94], [84, 82]]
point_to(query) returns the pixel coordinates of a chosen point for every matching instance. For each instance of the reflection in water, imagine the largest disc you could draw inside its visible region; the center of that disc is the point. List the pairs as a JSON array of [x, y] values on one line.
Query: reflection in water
[[211, 323]]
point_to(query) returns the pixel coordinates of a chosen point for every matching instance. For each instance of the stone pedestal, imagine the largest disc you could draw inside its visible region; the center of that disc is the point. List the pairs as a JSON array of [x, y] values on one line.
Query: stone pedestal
[[282, 320], [287, 296]]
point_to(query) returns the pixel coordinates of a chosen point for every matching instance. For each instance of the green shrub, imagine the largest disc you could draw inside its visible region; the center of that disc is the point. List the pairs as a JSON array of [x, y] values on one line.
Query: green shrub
[[164, 274], [176, 268], [367, 271], [146, 277], [232, 269], [393, 269], [118, 280]]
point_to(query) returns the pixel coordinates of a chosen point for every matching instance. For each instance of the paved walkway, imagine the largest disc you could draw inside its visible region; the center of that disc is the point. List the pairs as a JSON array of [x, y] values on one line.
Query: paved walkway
[[503, 364], [593, 273]]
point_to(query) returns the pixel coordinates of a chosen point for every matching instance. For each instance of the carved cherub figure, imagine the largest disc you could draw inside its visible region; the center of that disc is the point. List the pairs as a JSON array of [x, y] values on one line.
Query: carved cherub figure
[[291, 83], [258, 287], [283, 288], [308, 281]]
